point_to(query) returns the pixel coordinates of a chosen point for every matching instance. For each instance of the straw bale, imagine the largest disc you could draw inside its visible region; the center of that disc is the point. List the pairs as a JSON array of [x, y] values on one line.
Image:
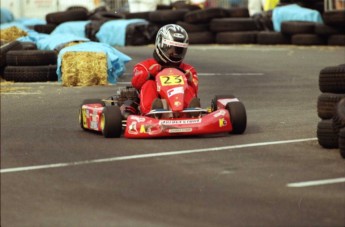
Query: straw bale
[[73, 43], [11, 33], [60, 47], [84, 69]]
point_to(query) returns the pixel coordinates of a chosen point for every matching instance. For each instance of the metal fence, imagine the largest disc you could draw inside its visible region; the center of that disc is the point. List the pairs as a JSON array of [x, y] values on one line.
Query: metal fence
[[122, 5]]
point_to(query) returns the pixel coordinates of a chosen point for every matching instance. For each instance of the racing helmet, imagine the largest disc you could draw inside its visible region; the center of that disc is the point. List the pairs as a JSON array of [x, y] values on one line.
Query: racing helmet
[[171, 45]]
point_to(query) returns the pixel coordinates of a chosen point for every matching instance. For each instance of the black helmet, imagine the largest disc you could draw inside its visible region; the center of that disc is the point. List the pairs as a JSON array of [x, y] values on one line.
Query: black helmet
[[171, 45]]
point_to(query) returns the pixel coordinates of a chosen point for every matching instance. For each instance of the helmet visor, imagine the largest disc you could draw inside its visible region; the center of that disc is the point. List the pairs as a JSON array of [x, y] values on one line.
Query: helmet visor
[[174, 51]]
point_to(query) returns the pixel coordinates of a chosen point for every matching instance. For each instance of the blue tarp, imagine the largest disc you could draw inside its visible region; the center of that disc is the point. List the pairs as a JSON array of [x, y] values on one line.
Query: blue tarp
[[114, 32], [30, 21], [33, 36], [116, 60], [51, 42], [6, 16], [14, 24], [75, 31], [294, 12], [76, 28], [22, 23]]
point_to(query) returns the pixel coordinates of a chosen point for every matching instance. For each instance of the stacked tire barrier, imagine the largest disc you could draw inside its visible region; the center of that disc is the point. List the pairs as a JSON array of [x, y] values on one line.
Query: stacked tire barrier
[[331, 108], [210, 25], [22, 62]]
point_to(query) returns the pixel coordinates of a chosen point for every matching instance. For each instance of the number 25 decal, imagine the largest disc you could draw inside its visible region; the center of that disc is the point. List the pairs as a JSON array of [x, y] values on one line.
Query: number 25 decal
[[171, 80]]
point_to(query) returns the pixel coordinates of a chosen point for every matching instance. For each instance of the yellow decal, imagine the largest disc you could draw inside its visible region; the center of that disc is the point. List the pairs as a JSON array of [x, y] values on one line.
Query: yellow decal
[[171, 80], [83, 115], [177, 103], [142, 129], [222, 122]]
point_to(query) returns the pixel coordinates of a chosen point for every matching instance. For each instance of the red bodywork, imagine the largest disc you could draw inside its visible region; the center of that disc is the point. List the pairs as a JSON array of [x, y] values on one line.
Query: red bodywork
[[91, 114], [146, 127], [171, 84]]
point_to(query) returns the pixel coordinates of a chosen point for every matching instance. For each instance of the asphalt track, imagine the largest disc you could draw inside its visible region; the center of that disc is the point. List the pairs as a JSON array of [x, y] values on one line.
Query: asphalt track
[[275, 174]]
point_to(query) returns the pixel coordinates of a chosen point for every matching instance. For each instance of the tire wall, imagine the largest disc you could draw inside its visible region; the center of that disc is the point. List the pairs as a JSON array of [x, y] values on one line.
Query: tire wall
[[331, 108]]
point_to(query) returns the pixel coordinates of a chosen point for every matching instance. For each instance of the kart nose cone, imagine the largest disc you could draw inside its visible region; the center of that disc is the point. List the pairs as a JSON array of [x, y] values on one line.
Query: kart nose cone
[[177, 103]]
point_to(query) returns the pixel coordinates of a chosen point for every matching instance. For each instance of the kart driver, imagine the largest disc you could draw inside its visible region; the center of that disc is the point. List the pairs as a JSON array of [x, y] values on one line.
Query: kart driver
[[170, 49]]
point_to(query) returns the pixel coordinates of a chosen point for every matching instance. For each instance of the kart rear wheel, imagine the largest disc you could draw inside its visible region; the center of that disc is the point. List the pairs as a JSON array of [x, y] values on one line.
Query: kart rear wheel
[[111, 122], [238, 117], [215, 99], [88, 101]]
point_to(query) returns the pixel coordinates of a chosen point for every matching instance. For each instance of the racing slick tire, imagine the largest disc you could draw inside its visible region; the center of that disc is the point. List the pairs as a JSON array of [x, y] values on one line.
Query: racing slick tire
[[342, 142], [31, 57], [326, 135], [326, 104], [332, 79], [336, 40], [238, 117], [201, 37], [88, 101], [339, 116], [38, 73], [111, 122]]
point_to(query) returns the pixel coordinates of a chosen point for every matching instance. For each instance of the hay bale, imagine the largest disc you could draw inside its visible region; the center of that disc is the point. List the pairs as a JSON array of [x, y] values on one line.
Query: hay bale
[[11, 33], [84, 69], [69, 44]]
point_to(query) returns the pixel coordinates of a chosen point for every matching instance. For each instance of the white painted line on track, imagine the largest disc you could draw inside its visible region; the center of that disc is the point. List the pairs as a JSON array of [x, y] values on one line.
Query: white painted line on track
[[316, 182], [160, 154], [21, 93]]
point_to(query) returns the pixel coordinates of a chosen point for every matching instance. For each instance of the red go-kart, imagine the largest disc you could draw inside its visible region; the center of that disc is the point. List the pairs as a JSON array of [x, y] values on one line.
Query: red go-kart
[[226, 114]]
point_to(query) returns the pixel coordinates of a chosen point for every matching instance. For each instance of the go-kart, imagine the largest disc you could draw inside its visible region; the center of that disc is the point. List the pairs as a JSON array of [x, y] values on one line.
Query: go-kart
[[226, 114]]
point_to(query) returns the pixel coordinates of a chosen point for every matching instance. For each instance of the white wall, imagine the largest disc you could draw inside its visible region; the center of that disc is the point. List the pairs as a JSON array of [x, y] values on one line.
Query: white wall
[[39, 8], [12, 5]]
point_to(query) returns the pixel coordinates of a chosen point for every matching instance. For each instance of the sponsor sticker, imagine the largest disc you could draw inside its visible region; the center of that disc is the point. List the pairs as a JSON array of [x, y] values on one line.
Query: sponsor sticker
[[174, 91], [180, 122], [173, 43], [132, 128], [179, 130], [222, 122], [178, 35], [220, 113], [142, 129], [177, 103], [94, 120]]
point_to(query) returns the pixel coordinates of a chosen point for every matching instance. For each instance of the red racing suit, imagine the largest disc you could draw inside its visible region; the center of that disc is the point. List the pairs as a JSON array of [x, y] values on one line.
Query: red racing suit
[[143, 73]]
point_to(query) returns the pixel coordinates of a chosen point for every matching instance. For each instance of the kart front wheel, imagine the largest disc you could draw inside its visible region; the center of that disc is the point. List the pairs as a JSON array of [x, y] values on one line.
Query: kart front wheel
[[215, 100], [87, 101], [111, 122], [238, 117]]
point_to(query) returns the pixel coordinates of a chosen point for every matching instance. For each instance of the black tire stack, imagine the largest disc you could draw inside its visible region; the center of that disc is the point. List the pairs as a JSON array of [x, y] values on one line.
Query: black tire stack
[[331, 108], [197, 24], [6, 47], [302, 33], [310, 33], [97, 18], [210, 25], [29, 64], [334, 30], [234, 26], [55, 18]]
